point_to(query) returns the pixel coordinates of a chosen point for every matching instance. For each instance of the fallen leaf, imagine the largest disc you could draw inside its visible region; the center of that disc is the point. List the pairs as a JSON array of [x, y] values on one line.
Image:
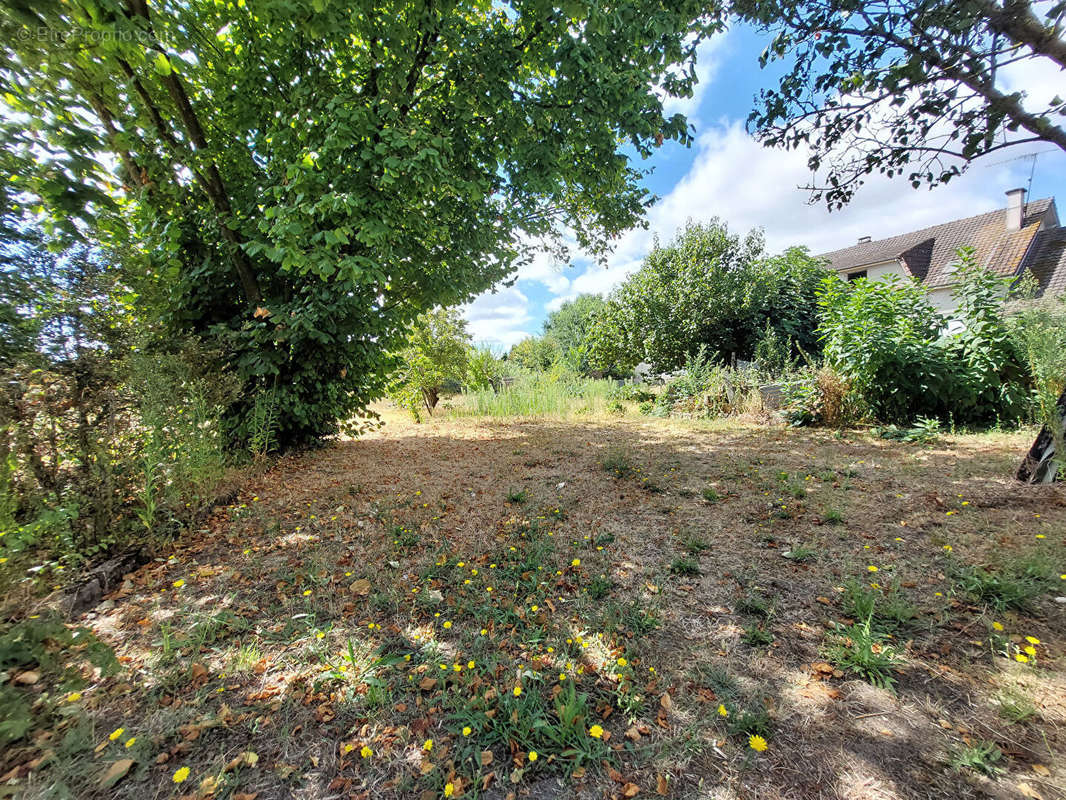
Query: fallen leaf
[[486, 757], [427, 684], [208, 786], [360, 587], [661, 785], [1028, 791], [27, 678], [116, 772], [245, 759], [666, 702], [630, 790], [1041, 770]]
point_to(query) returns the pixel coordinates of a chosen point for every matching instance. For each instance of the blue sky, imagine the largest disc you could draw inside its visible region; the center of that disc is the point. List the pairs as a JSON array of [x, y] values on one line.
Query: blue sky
[[727, 174]]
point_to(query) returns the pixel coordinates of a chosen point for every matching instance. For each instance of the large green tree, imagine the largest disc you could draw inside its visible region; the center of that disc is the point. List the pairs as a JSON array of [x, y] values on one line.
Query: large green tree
[[571, 324], [306, 176], [708, 288], [912, 89]]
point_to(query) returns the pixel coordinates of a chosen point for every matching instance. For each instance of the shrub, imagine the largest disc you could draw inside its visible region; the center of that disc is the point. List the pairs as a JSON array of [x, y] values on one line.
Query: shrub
[[822, 396], [886, 339], [883, 339]]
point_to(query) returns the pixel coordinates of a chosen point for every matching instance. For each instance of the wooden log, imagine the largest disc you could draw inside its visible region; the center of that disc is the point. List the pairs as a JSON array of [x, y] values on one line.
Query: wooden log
[[1042, 464]]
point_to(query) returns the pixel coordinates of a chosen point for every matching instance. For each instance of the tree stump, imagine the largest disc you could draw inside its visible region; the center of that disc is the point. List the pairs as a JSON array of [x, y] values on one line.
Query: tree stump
[[1042, 464]]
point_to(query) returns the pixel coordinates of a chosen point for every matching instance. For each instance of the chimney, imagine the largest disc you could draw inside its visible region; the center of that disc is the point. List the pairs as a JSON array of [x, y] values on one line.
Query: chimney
[[1015, 207], [864, 239]]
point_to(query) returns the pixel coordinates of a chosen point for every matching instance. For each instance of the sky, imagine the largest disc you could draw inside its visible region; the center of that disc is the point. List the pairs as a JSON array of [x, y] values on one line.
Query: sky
[[727, 174]]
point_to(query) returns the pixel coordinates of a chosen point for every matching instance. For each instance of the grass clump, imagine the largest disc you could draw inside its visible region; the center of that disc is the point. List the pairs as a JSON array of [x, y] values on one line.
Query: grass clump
[[1014, 705], [756, 635], [616, 461], [801, 553], [1014, 586], [833, 516], [685, 565], [599, 587], [710, 494], [756, 604], [516, 496], [887, 608], [857, 649]]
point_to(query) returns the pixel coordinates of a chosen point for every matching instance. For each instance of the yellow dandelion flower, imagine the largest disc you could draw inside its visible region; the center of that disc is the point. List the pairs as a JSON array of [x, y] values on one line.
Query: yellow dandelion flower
[[517, 691], [576, 562], [622, 662], [596, 732], [447, 624], [467, 731], [130, 742], [181, 774], [533, 755], [871, 568], [73, 697], [1023, 659], [1030, 650], [366, 752], [116, 733], [469, 664], [427, 745], [722, 711], [449, 789], [307, 592], [757, 743], [1032, 640], [178, 583], [997, 626]]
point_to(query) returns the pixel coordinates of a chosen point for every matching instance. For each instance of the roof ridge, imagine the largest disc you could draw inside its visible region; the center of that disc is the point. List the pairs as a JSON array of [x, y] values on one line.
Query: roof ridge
[[919, 231]]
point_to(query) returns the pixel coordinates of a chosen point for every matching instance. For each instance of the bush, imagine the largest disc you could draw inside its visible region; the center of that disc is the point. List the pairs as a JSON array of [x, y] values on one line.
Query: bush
[[99, 453], [822, 396], [1039, 332], [886, 339]]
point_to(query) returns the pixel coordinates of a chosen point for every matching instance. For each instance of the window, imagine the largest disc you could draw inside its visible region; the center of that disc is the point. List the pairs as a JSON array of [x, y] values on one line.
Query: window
[[854, 276]]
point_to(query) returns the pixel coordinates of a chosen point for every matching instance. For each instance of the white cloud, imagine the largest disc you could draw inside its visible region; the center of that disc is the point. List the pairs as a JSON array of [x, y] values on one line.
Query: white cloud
[[500, 318]]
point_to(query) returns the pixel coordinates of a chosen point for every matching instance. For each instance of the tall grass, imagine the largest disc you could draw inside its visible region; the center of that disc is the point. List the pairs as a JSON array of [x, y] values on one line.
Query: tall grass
[[538, 395]]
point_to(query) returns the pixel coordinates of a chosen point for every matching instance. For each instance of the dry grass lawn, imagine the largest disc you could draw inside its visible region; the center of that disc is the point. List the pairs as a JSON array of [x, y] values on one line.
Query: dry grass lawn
[[414, 614]]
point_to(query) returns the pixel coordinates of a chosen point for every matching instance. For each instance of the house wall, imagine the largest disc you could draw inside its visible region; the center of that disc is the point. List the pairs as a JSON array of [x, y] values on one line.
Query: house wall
[[876, 272]]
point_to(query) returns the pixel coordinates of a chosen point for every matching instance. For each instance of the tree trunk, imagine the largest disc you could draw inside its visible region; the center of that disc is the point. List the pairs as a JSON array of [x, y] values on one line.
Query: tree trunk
[[1043, 464]]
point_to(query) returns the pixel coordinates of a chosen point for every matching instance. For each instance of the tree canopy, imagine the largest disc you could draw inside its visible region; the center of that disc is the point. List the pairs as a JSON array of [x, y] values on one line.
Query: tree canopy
[[909, 89], [306, 176], [709, 288]]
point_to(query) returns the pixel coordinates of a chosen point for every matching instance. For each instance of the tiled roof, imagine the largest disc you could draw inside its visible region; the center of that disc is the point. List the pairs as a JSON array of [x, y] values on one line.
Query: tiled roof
[[928, 254], [1048, 260]]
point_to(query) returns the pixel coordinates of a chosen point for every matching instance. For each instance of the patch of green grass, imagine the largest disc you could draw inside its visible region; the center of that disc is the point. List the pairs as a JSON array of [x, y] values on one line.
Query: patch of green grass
[[628, 617], [616, 461], [832, 516], [756, 604], [684, 565], [980, 757], [756, 635], [888, 607], [246, 657], [718, 679], [1014, 585], [710, 494], [1014, 705], [801, 553], [752, 721], [859, 650], [695, 544], [599, 587], [516, 496]]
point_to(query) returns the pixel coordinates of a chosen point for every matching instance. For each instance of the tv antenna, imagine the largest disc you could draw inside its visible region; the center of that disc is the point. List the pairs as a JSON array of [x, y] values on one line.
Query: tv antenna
[[1031, 158]]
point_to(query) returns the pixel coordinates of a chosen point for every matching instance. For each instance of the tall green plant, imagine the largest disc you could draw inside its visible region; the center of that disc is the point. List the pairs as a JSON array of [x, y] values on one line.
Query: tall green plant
[[884, 338]]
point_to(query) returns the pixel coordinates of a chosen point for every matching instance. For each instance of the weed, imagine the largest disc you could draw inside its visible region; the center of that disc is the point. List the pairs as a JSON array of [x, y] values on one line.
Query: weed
[[755, 604], [1014, 705], [599, 587], [710, 494], [833, 516], [756, 635], [801, 553], [683, 565], [1015, 585], [616, 461], [888, 608], [981, 757], [695, 544], [718, 679], [858, 650], [516, 496], [750, 722]]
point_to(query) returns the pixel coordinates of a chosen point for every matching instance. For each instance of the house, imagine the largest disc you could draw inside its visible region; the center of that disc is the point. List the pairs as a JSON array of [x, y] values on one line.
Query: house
[[1023, 237]]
